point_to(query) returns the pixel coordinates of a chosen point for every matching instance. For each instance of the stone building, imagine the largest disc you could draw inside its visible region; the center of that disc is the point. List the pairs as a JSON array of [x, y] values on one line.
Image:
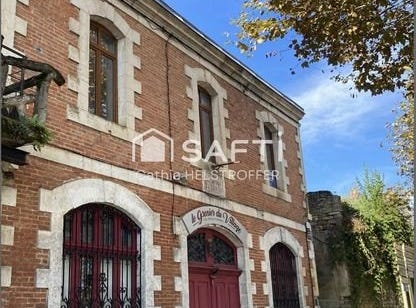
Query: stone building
[[109, 213]]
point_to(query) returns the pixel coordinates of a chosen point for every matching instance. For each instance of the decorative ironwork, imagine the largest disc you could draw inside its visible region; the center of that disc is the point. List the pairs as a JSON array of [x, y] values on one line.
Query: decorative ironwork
[[222, 252], [196, 248], [284, 277], [101, 259], [208, 246]]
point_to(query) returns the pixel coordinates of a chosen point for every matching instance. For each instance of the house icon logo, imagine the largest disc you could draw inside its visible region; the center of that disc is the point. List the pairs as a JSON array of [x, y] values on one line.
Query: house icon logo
[[152, 145]]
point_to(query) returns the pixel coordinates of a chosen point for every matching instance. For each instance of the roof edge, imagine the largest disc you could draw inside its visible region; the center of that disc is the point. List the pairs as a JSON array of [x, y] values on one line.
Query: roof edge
[[174, 24]]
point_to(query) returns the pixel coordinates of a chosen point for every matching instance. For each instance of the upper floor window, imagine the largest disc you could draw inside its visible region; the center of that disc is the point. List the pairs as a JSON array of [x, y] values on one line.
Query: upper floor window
[[205, 121], [102, 73], [271, 157]]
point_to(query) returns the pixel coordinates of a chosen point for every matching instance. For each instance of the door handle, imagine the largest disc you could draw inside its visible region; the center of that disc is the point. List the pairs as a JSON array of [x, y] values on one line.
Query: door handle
[[213, 273]]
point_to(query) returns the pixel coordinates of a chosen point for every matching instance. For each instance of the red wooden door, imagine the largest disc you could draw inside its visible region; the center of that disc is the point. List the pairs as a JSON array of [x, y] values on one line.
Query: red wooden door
[[213, 271], [199, 290]]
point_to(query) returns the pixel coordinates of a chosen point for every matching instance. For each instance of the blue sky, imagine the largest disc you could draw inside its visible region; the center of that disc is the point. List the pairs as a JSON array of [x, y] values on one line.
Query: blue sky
[[341, 135]]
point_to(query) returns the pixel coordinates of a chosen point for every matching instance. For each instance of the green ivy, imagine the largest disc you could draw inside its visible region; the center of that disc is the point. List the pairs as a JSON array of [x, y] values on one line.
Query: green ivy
[[373, 222]]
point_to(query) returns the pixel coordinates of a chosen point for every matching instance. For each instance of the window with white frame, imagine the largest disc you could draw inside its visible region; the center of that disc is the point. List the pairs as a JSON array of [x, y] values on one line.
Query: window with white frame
[[104, 81], [273, 157], [207, 112], [271, 153], [205, 121], [102, 94]]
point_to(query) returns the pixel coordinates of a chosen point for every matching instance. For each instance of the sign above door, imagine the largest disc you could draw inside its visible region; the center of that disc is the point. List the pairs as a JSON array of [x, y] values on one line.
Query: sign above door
[[205, 216]]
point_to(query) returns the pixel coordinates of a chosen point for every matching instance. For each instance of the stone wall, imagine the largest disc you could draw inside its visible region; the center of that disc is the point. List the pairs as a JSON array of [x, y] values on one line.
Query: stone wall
[[333, 279]]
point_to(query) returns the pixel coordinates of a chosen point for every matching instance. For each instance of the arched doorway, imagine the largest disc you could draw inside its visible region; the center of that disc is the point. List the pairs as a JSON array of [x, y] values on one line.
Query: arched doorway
[[213, 271], [284, 277], [101, 258]]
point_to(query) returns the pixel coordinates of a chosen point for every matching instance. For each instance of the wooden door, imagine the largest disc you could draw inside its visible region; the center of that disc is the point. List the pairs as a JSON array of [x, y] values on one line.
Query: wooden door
[[213, 271], [284, 277], [199, 290]]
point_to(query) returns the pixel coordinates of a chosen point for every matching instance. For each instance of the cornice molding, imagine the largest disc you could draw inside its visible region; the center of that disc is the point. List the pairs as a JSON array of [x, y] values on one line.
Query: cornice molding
[[176, 26]]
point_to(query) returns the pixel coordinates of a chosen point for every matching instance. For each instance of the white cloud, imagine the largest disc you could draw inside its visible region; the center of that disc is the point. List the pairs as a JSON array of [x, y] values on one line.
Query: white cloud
[[332, 112]]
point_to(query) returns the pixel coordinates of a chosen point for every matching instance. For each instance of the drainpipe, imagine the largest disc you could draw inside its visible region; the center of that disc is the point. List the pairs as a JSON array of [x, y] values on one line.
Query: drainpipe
[[1, 173], [312, 265]]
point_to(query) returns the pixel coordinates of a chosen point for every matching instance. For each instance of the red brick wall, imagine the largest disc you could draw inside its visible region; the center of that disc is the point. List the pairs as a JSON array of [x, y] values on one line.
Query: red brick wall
[[47, 40], [25, 257], [52, 36]]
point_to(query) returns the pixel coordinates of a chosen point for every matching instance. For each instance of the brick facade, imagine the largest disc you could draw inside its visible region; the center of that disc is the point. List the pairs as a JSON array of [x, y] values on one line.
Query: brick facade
[[156, 93]]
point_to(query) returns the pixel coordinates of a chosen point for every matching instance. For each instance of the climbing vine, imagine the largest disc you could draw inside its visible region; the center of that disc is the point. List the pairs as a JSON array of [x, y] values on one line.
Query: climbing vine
[[374, 221]]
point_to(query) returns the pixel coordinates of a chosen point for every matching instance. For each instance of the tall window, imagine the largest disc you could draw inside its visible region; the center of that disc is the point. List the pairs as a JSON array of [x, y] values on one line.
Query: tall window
[[284, 277], [102, 73], [205, 121], [271, 157], [101, 259]]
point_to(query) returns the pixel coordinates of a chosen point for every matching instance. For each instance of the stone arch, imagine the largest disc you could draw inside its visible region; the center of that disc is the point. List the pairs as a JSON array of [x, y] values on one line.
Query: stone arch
[[242, 242], [74, 194], [284, 236]]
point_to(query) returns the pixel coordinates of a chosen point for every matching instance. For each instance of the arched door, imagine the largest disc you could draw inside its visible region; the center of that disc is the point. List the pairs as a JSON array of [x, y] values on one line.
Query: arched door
[[284, 277], [213, 271]]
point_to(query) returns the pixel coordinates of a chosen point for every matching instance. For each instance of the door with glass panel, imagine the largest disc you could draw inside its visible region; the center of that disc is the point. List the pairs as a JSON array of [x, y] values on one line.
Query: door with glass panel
[[213, 271]]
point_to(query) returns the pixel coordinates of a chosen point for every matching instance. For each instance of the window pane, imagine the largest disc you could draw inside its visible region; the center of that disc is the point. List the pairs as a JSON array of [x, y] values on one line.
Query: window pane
[[67, 227], [85, 290], [196, 248], [125, 280], [271, 165], [93, 35], [106, 282], [126, 236], [204, 99], [87, 228], [206, 135], [222, 252], [108, 42], [270, 156], [107, 228], [65, 278], [268, 134], [92, 82], [107, 82]]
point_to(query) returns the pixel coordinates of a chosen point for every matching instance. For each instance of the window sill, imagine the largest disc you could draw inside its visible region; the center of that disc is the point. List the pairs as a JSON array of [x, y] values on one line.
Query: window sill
[[90, 120], [276, 193]]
